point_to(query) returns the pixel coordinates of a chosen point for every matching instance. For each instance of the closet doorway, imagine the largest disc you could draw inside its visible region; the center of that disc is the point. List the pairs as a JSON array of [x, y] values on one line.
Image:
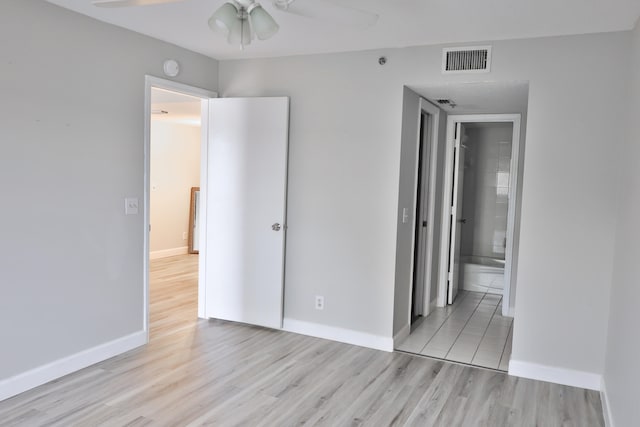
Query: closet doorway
[[424, 216]]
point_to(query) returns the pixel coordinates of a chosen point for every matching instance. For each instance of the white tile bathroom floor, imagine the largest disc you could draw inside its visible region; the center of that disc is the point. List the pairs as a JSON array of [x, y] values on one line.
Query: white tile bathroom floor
[[471, 331]]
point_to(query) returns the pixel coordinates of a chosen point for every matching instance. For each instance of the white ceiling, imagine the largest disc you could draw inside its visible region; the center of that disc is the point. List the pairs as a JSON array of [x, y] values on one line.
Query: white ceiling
[[479, 98], [182, 109], [402, 23]]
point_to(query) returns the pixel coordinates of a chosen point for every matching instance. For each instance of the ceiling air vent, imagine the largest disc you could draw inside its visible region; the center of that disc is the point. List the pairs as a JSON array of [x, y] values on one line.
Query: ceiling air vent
[[470, 59]]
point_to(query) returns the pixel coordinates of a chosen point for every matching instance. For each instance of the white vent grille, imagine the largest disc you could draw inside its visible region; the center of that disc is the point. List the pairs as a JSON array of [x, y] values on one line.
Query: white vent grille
[[474, 59]]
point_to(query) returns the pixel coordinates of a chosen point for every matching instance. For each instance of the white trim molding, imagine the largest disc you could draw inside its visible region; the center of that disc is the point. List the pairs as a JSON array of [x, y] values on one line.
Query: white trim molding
[[554, 374], [204, 94], [606, 406], [401, 336], [165, 253], [20, 383], [348, 336]]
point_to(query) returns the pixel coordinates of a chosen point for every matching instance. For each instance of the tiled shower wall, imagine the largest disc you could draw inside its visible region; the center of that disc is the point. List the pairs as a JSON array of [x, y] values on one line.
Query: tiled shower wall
[[486, 189]]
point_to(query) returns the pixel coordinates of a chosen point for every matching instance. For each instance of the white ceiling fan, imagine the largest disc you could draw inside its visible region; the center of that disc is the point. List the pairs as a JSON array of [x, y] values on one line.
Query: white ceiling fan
[[241, 21]]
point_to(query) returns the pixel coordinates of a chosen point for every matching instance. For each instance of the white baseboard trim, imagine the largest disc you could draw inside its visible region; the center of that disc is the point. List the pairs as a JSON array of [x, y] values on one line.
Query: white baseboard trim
[[556, 375], [402, 335], [606, 406], [333, 333], [17, 384], [165, 253]]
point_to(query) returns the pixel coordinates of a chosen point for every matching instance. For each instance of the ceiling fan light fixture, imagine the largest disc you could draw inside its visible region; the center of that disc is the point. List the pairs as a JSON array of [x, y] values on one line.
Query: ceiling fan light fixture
[[262, 23], [224, 19], [240, 33]]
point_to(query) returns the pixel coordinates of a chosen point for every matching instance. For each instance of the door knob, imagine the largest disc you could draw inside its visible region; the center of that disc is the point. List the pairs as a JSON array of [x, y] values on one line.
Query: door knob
[[276, 227]]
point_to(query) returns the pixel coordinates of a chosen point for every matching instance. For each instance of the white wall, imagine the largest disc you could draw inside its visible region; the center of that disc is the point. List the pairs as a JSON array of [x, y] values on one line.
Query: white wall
[[72, 120], [486, 189], [175, 168], [344, 168], [622, 373]]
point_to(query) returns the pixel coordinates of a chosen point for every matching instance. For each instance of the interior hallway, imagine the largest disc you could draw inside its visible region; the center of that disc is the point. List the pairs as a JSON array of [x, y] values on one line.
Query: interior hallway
[[199, 372], [173, 294], [471, 331]]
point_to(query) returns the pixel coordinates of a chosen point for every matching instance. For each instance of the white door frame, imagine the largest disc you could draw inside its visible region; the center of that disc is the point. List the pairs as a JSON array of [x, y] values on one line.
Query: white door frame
[[205, 95], [428, 108], [452, 121]]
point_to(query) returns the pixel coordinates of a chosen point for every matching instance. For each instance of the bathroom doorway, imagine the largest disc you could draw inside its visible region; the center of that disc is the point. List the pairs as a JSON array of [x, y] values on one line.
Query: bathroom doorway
[[481, 177]]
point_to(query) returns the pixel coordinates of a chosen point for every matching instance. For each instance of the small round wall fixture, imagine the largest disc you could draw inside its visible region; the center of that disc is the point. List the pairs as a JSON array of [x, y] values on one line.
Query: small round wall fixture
[[171, 68]]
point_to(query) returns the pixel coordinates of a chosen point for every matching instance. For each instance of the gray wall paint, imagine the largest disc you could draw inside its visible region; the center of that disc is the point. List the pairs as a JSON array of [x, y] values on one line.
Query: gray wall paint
[[71, 115], [622, 373], [346, 121]]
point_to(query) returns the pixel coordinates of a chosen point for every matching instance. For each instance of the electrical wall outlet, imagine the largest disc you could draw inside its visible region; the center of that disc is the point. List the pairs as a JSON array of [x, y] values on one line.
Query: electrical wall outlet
[[184, 235], [319, 303]]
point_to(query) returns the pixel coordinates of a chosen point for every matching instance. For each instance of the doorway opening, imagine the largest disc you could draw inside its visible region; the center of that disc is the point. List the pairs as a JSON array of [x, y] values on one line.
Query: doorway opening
[[476, 169], [175, 180], [175, 141], [422, 293], [481, 181], [238, 212]]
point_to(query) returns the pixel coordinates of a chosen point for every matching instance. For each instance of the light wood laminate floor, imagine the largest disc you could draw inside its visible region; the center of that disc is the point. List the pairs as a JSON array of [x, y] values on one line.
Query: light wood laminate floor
[[173, 294], [198, 372], [471, 331]]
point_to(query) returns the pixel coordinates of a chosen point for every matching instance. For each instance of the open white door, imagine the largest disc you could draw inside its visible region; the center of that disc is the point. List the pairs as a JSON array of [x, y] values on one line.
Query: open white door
[[246, 207], [456, 216]]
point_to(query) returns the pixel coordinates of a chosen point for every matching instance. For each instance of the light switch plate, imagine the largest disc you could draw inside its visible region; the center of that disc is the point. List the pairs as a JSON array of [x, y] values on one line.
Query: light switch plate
[[131, 206], [405, 215]]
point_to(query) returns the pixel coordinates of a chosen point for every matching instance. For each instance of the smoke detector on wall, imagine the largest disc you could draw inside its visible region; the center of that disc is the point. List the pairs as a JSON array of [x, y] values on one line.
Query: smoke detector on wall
[[171, 68]]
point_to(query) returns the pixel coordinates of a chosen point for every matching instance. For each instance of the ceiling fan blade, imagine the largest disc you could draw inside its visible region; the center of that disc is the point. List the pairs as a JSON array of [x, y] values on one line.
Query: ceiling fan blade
[[334, 11], [129, 3]]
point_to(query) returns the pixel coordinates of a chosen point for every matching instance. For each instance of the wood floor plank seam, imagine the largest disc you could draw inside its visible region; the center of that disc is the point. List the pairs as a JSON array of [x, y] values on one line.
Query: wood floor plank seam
[[211, 372]]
